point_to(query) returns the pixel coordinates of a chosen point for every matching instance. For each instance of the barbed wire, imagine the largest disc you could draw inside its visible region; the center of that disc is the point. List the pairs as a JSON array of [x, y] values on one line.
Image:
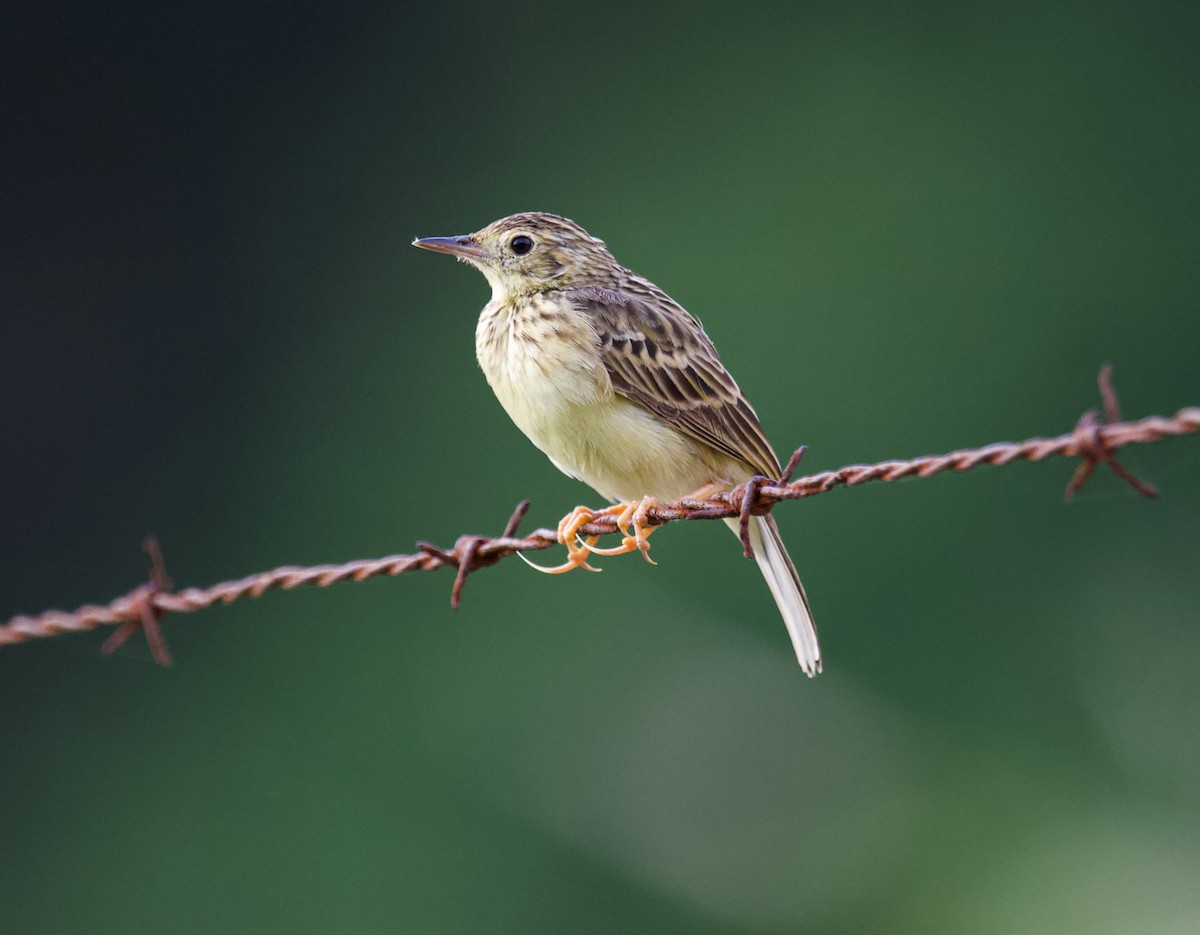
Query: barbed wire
[[1093, 441]]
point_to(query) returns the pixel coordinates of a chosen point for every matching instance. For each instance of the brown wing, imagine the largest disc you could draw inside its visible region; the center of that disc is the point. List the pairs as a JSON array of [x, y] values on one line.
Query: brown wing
[[659, 356]]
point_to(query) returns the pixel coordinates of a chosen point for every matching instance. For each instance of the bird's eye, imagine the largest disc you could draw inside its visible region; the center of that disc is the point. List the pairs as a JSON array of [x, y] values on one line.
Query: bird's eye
[[520, 245]]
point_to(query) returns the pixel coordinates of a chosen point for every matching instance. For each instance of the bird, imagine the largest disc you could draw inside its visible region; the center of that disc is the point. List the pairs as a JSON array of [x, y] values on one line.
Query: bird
[[621, 388]]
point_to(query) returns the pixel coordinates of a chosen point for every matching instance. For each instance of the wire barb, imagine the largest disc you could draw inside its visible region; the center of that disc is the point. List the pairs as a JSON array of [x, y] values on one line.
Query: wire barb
[[1091, 447], [144, 615], [1092, 441], [466, 555], [790, 468], [752, 502]]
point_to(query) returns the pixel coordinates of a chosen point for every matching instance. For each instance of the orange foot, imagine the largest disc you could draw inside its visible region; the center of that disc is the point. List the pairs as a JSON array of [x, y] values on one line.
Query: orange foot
[[568, 535], [578, 550], [634, 513]]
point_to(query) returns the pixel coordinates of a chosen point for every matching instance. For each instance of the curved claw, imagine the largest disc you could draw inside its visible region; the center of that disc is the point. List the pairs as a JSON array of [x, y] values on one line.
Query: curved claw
[[628, 544], [641, 533], [630, 520], [572, 562]]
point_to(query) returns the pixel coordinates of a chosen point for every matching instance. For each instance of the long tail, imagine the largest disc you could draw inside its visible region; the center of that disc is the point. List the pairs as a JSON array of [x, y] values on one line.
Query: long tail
[[776, 566]]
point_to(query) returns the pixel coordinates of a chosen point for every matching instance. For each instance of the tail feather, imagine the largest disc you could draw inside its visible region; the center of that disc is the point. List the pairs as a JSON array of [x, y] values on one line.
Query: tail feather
[[776, 566]]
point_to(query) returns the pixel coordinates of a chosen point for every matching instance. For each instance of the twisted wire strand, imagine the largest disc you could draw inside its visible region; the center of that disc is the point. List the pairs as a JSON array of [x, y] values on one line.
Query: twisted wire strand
[[1090, 441]]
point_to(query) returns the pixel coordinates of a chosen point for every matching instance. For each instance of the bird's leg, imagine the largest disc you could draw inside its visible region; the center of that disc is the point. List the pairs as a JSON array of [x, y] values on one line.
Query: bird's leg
[[568, 535], [635, 513], [704, 492], [624, 514], [641, 532], [631, 519]]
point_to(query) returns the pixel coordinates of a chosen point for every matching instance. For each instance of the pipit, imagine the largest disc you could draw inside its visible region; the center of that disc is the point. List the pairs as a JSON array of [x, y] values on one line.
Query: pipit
[[621, 388]]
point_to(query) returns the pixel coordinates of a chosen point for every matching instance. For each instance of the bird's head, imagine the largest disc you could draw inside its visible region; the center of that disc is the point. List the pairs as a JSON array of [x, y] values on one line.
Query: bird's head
[[527, 253]]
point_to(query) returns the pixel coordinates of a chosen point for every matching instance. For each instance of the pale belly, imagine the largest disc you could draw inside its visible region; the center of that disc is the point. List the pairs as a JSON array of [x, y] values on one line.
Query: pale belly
[[563, 401], [623, 452]]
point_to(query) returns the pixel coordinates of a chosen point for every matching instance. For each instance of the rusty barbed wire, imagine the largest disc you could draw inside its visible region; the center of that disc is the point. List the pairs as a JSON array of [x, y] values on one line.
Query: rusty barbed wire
[[1093, 441]]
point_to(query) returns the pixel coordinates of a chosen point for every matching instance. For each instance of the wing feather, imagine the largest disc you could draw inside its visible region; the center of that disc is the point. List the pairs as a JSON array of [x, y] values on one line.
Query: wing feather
[[658, 356]]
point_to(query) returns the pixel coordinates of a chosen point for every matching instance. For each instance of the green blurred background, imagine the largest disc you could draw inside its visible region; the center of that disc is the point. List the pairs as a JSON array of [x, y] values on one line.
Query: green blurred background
[[908, 228]]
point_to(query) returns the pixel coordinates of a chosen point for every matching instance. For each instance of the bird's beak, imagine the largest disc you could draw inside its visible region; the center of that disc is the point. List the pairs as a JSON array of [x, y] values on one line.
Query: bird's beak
[[462, 246]]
